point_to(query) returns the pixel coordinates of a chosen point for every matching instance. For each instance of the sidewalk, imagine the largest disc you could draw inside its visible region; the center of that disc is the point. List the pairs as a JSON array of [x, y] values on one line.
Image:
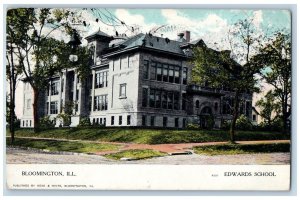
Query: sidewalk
[[166, 148]]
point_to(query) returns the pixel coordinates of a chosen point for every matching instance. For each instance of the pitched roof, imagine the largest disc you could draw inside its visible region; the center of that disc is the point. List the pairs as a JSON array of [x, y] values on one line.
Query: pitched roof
[[97, 34], [152, 42]]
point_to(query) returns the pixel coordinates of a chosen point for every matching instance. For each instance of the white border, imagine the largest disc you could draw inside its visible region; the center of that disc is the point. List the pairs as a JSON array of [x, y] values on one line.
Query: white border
[[162, 3]]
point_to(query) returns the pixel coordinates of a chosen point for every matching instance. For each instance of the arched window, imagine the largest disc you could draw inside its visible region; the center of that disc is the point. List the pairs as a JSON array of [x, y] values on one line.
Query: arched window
[[197, 104]]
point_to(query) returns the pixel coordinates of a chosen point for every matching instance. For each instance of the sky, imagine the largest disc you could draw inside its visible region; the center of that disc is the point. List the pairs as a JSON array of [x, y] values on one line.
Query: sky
[[211, 25]]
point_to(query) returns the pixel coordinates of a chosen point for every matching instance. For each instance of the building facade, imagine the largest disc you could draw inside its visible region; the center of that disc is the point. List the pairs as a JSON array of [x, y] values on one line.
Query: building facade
[[142, 80]]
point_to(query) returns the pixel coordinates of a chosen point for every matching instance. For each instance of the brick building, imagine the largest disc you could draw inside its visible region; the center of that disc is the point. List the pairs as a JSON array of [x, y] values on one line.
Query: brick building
[[142, 80]]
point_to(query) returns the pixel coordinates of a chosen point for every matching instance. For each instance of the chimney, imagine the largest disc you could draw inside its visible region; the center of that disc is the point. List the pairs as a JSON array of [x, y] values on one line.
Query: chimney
[[187, 36]]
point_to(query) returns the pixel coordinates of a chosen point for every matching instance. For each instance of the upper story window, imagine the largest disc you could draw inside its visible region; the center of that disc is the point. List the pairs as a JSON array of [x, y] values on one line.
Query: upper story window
[[146, 69], [101, 79], [54, 88], [163, 72], [184, 75], [122, 90]]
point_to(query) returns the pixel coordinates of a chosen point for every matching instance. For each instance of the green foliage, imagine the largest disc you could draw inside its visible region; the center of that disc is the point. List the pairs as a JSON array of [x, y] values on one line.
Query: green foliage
[[275, 125], [210, 122], [41, 56], [243, 123], [135, 154], [84, 122], [66, 119], [225, 125], [149, 136], [192, 126], [46, 123], [276, 57], [53, 145], [230, 149], [268, 106]]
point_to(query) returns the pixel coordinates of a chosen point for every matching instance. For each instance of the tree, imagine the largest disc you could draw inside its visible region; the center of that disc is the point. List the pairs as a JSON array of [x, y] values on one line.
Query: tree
[[41, 56], [275, 56], [13, 72], [220, 68], [268, 106]]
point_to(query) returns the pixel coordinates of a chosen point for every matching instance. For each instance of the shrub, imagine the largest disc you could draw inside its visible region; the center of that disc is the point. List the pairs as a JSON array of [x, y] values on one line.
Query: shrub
[[66, 119], [84, 122], [243, 123], [192, 126], [225, 125], [46, 122]]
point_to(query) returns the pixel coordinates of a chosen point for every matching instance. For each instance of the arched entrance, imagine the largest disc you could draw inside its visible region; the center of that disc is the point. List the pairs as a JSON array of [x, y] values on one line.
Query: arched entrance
[[206, 117]]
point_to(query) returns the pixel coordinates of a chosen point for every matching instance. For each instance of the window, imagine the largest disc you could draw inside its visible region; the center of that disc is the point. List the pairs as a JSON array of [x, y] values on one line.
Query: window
[[144, 120], [197, 104], [176, 122], [101, 121], [53, 107], [165, 73], [101, 79], [123, 90], [128, 119], [152, 120], [183, 122], [145, 97], [77, 95], [47, 108], [100, 102], [176, 100], [28, 103], [62, 85], [153, 71], [177, 75], [171, 73], [151, 101], [253, 117], [157, 99], [112, 122], [146, 69], [23, 123], [184, 75], [165, 121], [120, 120], [164, 100], [54, 88], [170, 100], [159, 72], [104, 121]]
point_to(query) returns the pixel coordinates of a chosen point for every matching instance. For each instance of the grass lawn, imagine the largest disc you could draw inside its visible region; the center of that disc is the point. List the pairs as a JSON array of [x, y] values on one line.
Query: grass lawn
[[149, 136], [135, 154], [51, 145], [230, 149]]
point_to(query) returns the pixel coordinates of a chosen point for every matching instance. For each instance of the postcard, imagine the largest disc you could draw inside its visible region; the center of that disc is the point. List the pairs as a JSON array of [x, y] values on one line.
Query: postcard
[[148, 99]]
